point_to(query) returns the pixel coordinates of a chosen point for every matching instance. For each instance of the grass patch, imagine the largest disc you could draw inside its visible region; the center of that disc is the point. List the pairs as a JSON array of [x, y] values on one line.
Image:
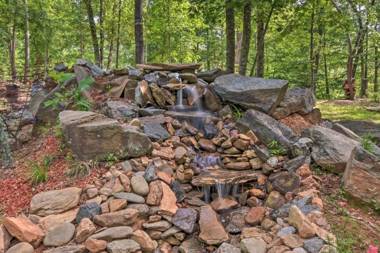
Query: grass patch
[[334, 111], [39, 170]]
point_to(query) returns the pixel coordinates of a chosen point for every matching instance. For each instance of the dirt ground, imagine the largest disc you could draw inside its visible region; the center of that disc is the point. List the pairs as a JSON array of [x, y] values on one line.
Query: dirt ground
[[356, 225], [16, 188]]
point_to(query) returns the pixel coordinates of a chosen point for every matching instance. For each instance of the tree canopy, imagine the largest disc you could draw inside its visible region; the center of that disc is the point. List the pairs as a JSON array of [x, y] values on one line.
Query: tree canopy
[[309, 42]]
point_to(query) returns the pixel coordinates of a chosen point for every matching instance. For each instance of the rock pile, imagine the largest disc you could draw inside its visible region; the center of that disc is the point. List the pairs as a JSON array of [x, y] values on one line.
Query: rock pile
[[191, 180], [152, 203]]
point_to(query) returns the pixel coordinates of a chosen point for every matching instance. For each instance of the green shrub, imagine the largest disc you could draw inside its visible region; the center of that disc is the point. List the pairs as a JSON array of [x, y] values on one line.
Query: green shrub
[[78, 169], [74, 96], [237, 112], [39, 170], [368, 142], [276, 149], [111, 159]]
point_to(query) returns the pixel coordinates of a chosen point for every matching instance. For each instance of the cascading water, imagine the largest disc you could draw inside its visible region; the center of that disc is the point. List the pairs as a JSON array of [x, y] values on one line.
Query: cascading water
[[179, 103], [193, 91]]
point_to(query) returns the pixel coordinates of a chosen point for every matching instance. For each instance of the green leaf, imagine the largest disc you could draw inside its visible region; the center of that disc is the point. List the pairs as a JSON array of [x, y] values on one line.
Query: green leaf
[[85, 83]]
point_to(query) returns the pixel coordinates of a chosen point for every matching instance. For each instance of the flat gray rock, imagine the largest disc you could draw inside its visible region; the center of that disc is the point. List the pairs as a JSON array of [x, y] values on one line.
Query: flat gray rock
[[130, 197], [331, 150], [123, 246], [114, 233], [267, 128], [59, 235], [251, 92]]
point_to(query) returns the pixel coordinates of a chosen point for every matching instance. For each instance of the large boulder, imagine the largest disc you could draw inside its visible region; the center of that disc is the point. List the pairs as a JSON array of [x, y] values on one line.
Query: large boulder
[[119, 110], [297, 100], [93, 136], [362, 128], [362, 176], [331, 150], [55, 202], [267, 128], [251, 92]]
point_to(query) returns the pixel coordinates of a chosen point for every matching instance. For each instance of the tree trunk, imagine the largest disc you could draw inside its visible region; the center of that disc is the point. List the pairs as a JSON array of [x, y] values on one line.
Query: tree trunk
[[364, 70], [376, 75], [246, 41], [230, 37], [91, 22], [26, 42], [46, 61], [139, 32], [260, 44], [112, 37], [349, 85], [311, 47], [12, 50], [101, 32], [118, 34], [208, 46]]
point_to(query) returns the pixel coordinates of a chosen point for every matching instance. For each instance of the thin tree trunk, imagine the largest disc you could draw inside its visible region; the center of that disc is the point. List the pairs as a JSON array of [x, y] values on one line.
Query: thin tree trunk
[[311, 47], [94, 37], [46, 61], [118, 34], [230, 36], [12, 50], [246, 41], [26, 42], [112, 37], [208, 63], [364, 71], [260, 45], [139, 32], [349, 85], [376, 75], [101, 32]]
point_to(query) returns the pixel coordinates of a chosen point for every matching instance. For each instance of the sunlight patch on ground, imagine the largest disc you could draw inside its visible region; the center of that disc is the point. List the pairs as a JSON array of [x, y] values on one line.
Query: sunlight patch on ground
[[346, 111]]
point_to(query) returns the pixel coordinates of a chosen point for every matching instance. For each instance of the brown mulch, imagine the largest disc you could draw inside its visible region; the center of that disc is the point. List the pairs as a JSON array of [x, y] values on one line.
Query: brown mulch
[[16, 189], [296, 122]]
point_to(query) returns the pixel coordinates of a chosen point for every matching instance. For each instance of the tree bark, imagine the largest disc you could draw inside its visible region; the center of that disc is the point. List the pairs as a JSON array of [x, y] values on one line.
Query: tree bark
[[260, 44], [112, 37], [364, 69], [246, 41], [230, 37], [376, 74], [311, 47], [118, 34], [94, 37], [26, 43], [101, 32], [139, 32], [12, 50]]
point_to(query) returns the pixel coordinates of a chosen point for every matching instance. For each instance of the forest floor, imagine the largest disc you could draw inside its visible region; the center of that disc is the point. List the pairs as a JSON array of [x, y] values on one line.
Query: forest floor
[[349, 110], [44, 152], [355, 225]]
